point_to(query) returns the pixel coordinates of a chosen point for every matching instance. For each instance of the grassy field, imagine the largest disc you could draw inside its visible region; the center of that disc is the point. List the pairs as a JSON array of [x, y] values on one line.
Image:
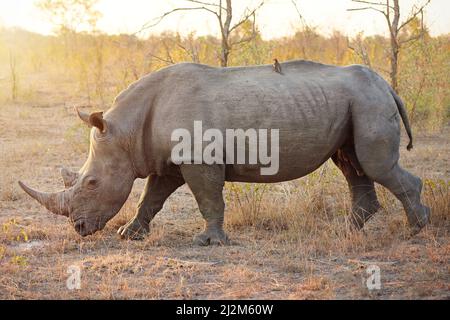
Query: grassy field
[[290, 240]]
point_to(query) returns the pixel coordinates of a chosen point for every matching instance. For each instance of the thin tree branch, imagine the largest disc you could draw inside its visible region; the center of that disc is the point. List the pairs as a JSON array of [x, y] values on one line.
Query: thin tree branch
[[412, 38], [414, 15], [191, 52], [161, 18], [302, 19], [247, 16], [170, 61], [373, 3], [368, 8], [205, 3], [361, 52], [253, 30], [250, 37]]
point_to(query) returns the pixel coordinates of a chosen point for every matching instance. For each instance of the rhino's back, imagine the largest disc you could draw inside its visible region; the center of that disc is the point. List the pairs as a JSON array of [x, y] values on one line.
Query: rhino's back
[[305, 93]]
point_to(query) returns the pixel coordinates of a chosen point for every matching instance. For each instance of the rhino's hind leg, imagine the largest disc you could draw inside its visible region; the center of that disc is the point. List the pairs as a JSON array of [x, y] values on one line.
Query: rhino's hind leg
[[377, 142], [206, 183], [156, 191], [364, 198]]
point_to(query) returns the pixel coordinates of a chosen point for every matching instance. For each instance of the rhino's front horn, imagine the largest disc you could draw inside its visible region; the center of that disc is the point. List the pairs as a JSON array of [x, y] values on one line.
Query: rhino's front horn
[[58, 203], [69, 177]]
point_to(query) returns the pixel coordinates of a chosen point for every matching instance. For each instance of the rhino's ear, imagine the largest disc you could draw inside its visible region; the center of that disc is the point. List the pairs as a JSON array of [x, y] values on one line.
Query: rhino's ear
[[93, 120], [96, 120]]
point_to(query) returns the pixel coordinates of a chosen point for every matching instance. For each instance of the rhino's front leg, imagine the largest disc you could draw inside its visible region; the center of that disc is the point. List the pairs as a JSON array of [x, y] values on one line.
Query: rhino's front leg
[[156, 191], [206, 183]]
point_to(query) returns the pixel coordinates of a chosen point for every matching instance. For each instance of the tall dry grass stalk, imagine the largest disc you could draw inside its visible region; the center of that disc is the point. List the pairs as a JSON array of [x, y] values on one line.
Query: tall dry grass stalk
[[14, 76], [437, 195]]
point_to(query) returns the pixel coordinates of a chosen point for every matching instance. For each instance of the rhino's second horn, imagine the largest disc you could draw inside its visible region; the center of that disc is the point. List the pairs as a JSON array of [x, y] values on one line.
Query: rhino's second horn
[[69, 177]]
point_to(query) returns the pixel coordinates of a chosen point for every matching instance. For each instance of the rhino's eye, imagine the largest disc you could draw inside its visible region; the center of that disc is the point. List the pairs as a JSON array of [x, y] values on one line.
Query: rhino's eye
[[90, 182]]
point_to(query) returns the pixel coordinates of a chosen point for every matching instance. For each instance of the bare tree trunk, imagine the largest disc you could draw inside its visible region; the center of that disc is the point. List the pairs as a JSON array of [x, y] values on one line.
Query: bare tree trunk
[[394, 68], [395, 48], [226, 34], [225, 54]]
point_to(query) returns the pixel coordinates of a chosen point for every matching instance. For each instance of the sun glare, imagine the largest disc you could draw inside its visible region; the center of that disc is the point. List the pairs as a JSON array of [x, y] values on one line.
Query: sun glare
[[277, 18]]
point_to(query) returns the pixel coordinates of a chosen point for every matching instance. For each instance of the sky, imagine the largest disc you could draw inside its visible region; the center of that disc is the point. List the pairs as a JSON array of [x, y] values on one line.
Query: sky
[[276, 19]]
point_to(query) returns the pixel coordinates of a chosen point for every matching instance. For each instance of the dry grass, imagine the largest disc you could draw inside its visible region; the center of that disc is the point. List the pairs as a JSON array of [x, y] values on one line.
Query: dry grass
[[292, 240]]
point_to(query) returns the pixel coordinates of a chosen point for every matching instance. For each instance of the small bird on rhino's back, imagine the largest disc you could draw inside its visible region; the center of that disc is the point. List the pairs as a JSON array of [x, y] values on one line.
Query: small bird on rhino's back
[[277, 66]]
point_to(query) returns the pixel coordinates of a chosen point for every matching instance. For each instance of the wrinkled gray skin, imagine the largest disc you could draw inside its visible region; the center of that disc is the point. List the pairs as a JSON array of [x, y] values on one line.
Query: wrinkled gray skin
[[349, 114]]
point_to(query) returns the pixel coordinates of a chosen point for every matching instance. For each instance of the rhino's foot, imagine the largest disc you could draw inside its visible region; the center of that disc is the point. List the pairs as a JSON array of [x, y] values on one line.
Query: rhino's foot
[[134, 230], [419, 219], [360, 215], [212, 237]]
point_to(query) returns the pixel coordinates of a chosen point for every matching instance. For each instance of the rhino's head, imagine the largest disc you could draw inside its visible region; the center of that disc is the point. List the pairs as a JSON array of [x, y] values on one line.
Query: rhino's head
[[97, 192]]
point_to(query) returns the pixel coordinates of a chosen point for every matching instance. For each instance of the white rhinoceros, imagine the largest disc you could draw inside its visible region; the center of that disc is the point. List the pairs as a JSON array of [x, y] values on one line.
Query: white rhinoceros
[[349, 114]]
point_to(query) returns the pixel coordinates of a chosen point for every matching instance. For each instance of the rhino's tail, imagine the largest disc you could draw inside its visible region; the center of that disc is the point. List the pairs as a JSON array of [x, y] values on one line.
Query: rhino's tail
[[404, 115]]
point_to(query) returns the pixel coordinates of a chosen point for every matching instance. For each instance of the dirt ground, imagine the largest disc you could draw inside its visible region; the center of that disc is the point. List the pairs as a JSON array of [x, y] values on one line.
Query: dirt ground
[[266, 261]]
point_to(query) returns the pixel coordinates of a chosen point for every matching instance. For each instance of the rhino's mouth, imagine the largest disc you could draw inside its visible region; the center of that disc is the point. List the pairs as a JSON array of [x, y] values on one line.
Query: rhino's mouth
[[88, 224], [86, 227], [82, 228]]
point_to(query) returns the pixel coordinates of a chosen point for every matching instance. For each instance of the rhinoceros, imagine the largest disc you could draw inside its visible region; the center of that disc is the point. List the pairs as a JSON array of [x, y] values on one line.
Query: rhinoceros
[[349, 114]]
